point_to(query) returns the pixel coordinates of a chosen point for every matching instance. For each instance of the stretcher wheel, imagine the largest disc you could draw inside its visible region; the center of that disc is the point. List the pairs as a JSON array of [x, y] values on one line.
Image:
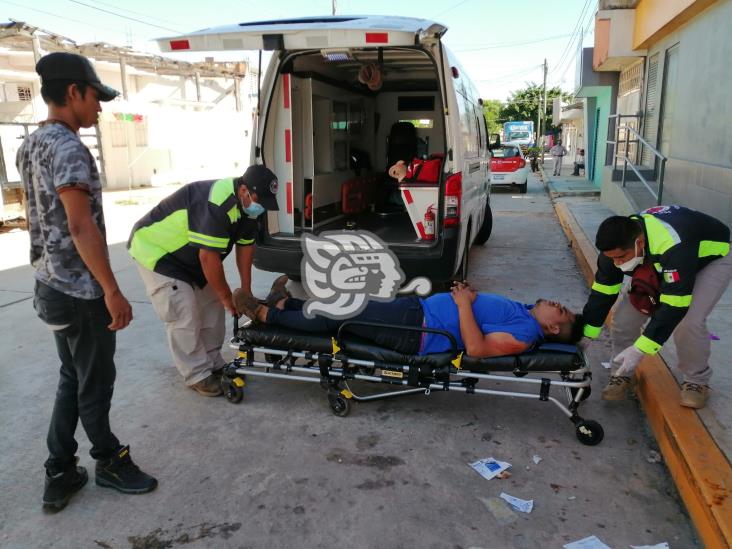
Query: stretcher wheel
[[233, 392], [339, 405], [589, 432], [585, 395]]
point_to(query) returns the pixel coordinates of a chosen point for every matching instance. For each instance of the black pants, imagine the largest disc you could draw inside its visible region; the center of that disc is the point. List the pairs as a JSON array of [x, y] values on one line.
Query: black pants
[[403, 311], [86, 349]]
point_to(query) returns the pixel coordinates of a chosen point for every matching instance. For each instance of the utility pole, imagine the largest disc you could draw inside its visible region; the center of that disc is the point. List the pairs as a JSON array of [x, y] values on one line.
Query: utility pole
[[542, 125], [334, 7]]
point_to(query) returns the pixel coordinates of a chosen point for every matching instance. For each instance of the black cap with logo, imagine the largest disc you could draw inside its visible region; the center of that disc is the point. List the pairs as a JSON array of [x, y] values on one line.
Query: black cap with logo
[[62, 65], [262, 182]]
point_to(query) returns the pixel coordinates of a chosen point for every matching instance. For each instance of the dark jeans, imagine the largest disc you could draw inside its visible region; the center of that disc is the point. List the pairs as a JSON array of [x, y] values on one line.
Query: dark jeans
[[86, 349], [403, 311]]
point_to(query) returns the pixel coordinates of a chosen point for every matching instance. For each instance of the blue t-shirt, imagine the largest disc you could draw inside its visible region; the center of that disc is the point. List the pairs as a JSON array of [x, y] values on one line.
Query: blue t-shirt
[[493, 313]]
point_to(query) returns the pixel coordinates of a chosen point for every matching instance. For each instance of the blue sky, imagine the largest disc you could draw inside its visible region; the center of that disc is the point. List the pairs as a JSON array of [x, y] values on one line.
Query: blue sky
[[501, 43]]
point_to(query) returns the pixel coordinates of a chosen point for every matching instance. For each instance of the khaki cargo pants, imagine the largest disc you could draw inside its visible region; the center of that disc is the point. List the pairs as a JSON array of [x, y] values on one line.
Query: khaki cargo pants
[[691, 336], [194, 322]]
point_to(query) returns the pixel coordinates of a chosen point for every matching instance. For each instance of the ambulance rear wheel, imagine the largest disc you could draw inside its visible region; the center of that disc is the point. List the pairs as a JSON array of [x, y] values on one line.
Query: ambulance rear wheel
[[462, 273], [589, 432], [339, 405], [484, 232], [523, 187]]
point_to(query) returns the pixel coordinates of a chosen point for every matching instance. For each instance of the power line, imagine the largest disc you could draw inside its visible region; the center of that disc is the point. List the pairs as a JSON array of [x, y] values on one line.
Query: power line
[[512, 44], [509, 75], [581, 36], [575, 29], [125, 17], [130, 11], [449, 9], [85, 23]]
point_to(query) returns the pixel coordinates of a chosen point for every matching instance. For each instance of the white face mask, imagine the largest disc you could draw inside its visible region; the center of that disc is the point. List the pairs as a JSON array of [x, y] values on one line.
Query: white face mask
[[630, 265]]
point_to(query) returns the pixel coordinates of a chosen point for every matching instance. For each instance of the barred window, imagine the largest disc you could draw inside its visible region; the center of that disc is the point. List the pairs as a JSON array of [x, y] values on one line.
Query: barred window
[[25, 93], [631, 79], [118, 133]]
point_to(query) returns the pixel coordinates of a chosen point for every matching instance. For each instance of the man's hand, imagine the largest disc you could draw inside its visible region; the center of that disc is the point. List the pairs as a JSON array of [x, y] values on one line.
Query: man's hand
[[119, 309], [228, 304], [628, 361], [463, 294]]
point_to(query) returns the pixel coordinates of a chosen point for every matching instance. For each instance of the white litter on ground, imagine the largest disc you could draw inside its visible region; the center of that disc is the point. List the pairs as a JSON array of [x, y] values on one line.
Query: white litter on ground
[[592, 542], [523, 505], [489, 467]]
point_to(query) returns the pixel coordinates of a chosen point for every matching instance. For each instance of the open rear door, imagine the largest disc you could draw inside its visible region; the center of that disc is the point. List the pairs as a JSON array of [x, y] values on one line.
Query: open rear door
[[307, 33], [283, 153]]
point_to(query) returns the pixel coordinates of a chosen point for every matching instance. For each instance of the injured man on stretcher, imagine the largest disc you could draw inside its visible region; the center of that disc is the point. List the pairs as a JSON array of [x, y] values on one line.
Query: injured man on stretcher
[[484, 325]]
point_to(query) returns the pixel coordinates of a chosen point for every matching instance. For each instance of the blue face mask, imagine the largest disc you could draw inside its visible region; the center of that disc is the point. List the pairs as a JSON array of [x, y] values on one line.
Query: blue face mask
[[254, 209]]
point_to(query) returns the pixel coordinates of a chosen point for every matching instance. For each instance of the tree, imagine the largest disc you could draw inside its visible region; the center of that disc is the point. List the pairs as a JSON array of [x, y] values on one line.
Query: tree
[[524, 104], [492, 111]]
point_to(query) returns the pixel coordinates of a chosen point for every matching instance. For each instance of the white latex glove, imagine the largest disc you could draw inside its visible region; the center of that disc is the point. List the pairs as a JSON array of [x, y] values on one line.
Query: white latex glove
[[628, 361]]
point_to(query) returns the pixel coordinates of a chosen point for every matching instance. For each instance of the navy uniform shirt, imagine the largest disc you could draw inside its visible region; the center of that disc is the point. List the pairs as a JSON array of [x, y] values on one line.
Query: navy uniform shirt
[[202, 215]]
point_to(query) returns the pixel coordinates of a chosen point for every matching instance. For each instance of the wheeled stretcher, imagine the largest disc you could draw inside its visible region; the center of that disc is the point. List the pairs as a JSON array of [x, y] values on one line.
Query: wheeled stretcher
[[340, 362]]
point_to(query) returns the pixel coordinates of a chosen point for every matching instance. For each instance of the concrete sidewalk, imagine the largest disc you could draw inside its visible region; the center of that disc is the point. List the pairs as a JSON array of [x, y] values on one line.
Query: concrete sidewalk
[[697, 445]]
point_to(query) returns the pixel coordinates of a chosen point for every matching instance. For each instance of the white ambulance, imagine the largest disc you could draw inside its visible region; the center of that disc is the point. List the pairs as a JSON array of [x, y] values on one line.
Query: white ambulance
[[343, 99]]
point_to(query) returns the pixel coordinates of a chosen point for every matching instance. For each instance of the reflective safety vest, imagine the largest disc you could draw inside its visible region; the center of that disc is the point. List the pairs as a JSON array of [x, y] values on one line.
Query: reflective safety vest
[[679, 243]]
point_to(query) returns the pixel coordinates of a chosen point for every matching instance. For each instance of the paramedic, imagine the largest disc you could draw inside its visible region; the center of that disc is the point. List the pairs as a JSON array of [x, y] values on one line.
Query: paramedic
[[690, 251], [484, 325], [76, 293], [179, 247]]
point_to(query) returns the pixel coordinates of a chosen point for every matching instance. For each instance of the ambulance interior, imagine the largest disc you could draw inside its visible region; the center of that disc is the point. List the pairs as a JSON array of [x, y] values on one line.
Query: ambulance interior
[[331, 138]]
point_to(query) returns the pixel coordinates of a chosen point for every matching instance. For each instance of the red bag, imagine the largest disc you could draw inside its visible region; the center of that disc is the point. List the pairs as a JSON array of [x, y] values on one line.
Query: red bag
[[645, 289], [424, 171]]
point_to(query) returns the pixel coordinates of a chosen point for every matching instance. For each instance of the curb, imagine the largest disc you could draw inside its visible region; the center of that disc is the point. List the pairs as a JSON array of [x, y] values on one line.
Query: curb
[[701, 472]]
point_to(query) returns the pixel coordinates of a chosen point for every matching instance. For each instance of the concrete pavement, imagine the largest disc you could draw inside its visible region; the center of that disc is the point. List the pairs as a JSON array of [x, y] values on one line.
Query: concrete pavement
[[696, 444], [279, 470]]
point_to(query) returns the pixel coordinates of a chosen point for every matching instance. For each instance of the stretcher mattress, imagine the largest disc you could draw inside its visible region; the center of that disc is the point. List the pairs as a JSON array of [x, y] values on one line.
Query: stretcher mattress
[[549, 357]]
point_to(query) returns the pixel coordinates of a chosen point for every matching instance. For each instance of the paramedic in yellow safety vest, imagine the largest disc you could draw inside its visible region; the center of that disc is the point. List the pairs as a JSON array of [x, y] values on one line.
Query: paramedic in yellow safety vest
[[690, 253], [179, 247]]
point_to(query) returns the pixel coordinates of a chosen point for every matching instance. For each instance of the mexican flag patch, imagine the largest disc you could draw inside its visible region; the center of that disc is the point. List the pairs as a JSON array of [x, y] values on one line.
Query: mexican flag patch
[[671, 276]]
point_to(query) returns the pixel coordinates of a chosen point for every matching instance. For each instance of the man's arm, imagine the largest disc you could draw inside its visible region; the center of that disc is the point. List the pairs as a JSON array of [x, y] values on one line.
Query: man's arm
[[244, 260], [93, 251], [213, 270]]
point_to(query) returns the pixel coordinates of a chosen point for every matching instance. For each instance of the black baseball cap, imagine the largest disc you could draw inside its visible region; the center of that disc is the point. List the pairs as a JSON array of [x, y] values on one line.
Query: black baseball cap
[[263, 183], [62, 65]]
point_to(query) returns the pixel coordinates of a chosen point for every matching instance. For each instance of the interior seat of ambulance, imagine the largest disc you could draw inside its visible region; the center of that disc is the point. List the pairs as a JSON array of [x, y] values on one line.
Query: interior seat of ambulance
[[346, 133]]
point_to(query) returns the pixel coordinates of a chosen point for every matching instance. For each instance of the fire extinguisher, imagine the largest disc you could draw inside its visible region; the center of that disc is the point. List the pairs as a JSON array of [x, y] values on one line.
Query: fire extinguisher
[[429, 223]]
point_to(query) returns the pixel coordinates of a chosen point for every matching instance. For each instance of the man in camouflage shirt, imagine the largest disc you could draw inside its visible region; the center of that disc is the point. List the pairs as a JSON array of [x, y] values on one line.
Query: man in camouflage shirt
[[76, 293]]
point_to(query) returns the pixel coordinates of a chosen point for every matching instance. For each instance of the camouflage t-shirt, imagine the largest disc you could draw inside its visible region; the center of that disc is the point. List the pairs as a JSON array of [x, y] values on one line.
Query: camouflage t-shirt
[[50, 160]]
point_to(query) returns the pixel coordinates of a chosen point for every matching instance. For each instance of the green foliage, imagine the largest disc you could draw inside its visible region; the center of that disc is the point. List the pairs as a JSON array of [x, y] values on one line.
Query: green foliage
[[492, 110], [524, 104]]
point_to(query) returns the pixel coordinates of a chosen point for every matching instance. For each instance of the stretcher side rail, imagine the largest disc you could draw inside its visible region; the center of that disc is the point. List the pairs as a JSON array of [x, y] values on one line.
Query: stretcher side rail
[[318, 358]]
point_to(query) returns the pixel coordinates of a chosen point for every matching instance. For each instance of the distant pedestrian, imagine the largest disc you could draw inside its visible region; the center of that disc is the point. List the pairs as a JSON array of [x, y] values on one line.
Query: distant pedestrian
[[579, 162], [76, 293], [558, 151]]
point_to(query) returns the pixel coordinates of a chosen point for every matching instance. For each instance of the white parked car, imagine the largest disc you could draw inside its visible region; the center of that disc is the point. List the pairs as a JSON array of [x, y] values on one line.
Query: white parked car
[[509, 167]]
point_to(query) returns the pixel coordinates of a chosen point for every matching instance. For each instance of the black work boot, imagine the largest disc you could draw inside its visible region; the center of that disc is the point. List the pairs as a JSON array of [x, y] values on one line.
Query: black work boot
[[120, 473], [60, 486]]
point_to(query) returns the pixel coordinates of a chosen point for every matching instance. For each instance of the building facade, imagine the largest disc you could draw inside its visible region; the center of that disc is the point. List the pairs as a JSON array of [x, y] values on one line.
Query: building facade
[[671, 62], [174, 121]]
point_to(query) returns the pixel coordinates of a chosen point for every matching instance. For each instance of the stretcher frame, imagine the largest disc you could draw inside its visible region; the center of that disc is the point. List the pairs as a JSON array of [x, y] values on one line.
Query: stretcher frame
[[335, 370]]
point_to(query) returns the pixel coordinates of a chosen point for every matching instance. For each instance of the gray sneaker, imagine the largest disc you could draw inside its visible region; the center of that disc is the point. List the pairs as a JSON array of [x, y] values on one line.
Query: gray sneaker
[[616, 388], [210, 387], [694, 395]]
